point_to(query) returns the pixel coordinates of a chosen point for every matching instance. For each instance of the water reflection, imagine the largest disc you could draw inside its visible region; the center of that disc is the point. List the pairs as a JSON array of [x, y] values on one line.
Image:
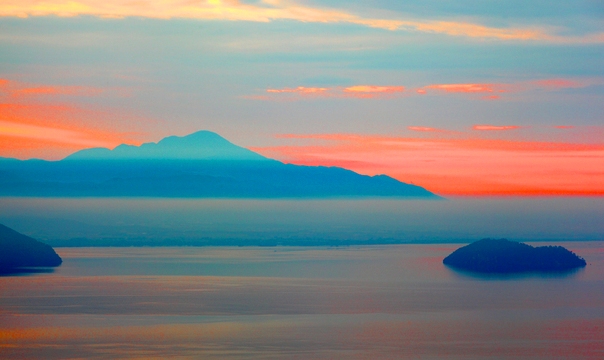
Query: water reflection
[[27, 271], [464, 274]]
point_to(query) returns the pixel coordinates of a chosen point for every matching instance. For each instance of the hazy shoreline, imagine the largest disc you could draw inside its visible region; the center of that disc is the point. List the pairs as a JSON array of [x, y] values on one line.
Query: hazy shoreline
[[246, 222], [270, 243]]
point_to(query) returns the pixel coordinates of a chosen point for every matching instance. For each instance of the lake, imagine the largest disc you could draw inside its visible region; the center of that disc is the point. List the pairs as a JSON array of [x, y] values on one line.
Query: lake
[[360, 302]]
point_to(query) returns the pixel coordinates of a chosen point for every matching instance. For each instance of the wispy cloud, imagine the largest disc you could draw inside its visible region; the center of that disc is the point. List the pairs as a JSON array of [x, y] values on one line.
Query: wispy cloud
[[467, 88], [425, 129], [18, 89], [299, 90], [56, 90], [357, 91], [372, 91], [270, 10], [495, 127], [457, 166], [492, 91], [485, 91]]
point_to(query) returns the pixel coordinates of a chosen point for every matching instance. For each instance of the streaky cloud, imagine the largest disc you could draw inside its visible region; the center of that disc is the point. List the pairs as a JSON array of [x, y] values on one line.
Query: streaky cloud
[[425, 129], [495, 127], [356, 91], [299, 90], [368, 91], [489, 91], [466, 88], [267, 11]]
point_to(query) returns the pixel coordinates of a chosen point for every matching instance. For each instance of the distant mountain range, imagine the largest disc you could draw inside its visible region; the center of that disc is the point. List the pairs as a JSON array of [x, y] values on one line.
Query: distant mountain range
[[202, 164]]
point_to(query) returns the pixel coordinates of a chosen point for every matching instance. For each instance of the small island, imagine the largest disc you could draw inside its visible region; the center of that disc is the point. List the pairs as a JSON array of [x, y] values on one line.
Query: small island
[[501, 256], [20, 253]]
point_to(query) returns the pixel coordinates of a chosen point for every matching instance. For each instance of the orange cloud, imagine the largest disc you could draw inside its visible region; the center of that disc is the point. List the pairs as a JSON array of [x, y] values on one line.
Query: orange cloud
[[56, 90], [489, 91], [270, 10], [54, 134], [19, 89], [372, 91], [30, 129], [557, 84], [424, 129], [299, 90], [464, 88], [53, 131], [459, 166], [357, 91], [494, 127]]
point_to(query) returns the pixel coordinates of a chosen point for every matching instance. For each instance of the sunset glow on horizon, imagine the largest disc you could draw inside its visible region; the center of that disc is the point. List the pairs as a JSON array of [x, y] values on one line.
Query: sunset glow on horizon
[[458, 166], [469, 99]]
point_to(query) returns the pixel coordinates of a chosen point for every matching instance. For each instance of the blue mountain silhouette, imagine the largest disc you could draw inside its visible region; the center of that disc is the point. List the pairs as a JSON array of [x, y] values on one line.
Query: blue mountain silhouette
[[202, 145], [202, 164]]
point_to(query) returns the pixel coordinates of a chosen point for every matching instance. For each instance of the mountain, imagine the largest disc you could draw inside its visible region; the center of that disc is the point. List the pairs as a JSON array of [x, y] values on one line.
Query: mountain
[[202, 145], [202, 164], [501, 256], [18, 251]]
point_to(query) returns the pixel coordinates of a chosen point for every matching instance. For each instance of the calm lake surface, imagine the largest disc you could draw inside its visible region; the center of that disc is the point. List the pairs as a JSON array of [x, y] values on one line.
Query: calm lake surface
[[361, 302]]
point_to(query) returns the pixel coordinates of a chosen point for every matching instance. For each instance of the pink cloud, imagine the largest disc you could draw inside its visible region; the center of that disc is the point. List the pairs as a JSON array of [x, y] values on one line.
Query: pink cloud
[[372, 91], [20, 89], [356, 91], [57, 90], [493, 91], [299, 90], [494, 127], [557, 84], [466, 88], [484, 91], [564, 127], [424, 129]]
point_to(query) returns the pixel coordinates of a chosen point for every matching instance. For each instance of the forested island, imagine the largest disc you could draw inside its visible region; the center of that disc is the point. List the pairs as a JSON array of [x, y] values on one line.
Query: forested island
[[501, 256], [20, 253]]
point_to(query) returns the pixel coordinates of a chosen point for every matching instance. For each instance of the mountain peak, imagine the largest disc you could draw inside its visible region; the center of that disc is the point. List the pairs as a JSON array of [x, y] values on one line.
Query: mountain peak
[[200, 145], [202, 164]]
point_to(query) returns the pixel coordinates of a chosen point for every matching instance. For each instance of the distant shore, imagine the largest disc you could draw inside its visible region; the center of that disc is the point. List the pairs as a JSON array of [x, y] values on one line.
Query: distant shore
[[264, 242]]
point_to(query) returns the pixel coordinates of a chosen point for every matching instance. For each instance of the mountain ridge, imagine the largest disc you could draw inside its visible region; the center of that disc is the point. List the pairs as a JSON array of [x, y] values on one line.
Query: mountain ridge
[[202, 164], [174, 147]]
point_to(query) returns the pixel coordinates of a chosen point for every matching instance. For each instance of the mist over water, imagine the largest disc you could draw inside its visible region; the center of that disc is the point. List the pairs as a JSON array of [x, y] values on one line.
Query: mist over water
[[329, 221]]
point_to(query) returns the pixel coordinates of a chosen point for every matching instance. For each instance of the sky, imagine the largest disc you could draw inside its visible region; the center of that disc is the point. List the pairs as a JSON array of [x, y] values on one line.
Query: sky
[[465, 97]]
